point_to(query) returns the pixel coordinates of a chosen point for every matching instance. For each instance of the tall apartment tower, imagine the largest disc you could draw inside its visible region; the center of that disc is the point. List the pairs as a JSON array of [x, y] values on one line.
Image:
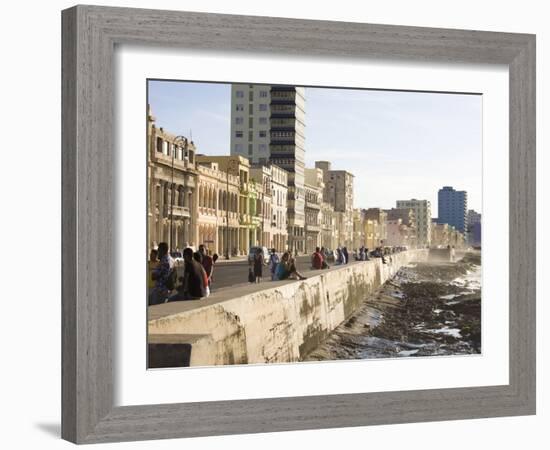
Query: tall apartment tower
[[268, 125], [423, 215], [453, 208]]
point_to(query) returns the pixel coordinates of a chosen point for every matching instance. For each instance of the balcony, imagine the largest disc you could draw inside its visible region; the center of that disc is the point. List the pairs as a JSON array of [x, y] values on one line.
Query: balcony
[[177, 211], [167, 160], [312, 228], [312, 205]]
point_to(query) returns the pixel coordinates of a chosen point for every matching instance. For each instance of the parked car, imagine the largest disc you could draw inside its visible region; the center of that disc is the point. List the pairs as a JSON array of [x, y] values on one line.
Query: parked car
[[253, 251]]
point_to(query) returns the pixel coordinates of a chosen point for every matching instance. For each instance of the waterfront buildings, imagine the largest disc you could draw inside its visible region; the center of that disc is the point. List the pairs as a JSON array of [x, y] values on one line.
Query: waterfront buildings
[[359, 234], [247, 232], [378, 233], [423, 218], [171, 188], [217, 218], [400, 234], [279, 192], [329, 233], [314, 187], [338, 192], [405, 214], [452, 207], [262, 176], [267, 125], [372, 232], [445, 235]]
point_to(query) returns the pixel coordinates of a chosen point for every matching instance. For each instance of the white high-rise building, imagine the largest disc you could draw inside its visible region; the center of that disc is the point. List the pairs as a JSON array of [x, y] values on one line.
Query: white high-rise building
[[423, 216], [268, 125]]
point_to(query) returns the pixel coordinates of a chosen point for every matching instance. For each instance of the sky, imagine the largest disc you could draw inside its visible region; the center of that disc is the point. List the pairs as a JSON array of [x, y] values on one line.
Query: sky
[[399, 145]]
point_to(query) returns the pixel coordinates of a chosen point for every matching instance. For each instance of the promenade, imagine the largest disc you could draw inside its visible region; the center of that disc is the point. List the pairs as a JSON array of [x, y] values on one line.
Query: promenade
[[274, 321]]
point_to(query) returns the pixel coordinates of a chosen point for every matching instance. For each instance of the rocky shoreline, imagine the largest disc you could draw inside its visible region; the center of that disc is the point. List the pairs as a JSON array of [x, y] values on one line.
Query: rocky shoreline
[[427, 309]]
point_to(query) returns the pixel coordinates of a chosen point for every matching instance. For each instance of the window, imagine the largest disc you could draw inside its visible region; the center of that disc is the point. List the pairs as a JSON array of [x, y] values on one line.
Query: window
[[262, 133], [262, 148], [250, 108], [263, 120], [159, 144], [263, 94], [263, 107], [250, 136], [250, 149], [239, 94], [239, 107], [239, 148], [239, 134], [239, 120]]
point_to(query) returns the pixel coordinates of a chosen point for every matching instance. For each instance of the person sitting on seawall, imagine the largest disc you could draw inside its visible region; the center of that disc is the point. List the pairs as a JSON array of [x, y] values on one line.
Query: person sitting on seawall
[[273, 261], [198, 256], [318, 260], [207, 263], [339, 256], [164, 275], [152, 265], [194, 284], [286, 269], [346, 255]]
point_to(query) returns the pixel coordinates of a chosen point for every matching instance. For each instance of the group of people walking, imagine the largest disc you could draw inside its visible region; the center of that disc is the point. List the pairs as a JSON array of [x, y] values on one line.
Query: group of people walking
[[195, 283], [165, 285]]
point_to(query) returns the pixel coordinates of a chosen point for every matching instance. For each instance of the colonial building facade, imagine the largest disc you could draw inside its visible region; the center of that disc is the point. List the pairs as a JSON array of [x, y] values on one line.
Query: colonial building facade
[[338, 192], [314, 187], [171, 189], [279, 193], [218, 217]]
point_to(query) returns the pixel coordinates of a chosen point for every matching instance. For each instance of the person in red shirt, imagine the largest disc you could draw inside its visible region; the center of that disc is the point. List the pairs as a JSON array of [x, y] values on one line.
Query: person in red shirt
[[317, 259], [207, 263]]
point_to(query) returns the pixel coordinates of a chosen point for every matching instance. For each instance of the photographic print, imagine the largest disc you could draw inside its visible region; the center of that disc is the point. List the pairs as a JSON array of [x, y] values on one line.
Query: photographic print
[[290, 224]]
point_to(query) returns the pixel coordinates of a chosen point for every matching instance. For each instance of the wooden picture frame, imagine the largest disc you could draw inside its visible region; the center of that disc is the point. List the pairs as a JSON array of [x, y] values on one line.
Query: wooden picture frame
[[90, 34]]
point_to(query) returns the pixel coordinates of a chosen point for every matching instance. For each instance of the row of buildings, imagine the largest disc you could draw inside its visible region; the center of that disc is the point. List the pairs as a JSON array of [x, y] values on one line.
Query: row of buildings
[[262, 193], [229, 203]]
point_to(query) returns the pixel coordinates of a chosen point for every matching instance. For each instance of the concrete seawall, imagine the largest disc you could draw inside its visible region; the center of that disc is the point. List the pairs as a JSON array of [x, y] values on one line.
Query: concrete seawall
[[273, 322]]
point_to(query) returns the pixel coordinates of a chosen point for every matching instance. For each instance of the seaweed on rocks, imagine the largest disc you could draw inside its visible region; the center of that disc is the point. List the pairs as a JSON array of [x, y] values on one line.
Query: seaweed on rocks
[[427, 309]]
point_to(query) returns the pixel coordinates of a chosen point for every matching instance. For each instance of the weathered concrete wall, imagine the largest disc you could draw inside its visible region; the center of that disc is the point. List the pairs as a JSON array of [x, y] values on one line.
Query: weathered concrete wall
[[280, 323]]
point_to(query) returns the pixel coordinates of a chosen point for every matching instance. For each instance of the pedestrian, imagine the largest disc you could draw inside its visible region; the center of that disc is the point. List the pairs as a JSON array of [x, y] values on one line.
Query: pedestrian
[[273, 261], [207, 263], [338, 256], [293, 271], [152, 265], [317, 259], [346, 255], [286, 268], [164, 275], [194, 281], [282, 269], [259, 263]]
